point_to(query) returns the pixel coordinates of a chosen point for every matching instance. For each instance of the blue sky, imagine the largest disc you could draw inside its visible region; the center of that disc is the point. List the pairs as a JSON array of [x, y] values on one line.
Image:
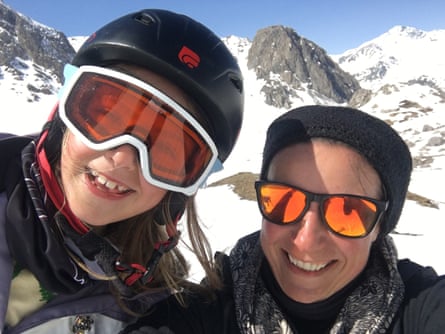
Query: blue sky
[[334, 25]]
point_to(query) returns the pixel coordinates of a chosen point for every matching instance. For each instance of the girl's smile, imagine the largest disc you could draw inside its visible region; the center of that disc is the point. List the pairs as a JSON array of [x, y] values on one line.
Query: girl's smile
[[104, 187]]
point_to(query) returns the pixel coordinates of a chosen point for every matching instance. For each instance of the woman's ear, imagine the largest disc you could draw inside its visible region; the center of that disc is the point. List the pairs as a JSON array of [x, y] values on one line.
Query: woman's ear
[[377, 232]]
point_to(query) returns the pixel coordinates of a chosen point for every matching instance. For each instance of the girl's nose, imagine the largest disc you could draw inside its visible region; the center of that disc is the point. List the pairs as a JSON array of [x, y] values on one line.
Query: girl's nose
[[124, 156]]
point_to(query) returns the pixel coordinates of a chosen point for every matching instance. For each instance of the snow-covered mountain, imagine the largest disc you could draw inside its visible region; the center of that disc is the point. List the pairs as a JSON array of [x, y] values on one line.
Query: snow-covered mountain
[[32, 57], [410, 96], [402, 75], [404, 71], [403, 54]]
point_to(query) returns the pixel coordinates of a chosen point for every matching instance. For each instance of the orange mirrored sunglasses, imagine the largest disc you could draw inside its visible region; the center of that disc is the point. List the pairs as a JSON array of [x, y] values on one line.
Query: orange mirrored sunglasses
[[350, 216]]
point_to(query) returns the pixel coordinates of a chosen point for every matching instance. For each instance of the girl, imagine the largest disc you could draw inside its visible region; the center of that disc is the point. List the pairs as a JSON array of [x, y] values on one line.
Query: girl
[[152, 104]]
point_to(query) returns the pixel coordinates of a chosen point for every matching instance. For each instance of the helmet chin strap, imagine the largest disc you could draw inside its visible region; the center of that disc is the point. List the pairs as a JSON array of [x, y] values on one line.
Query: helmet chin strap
[[136, 272], [144, 274]]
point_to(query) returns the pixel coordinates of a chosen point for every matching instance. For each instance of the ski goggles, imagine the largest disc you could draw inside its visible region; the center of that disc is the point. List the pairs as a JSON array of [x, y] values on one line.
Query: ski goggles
[[349, 216], [107, 108]]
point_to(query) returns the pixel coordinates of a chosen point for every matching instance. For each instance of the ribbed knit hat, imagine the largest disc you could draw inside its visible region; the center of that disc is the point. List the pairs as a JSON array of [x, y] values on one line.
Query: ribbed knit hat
[[381, 145]]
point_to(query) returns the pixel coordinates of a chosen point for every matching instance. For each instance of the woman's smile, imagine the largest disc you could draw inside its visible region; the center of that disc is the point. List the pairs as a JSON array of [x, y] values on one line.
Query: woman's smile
[[307, 266]]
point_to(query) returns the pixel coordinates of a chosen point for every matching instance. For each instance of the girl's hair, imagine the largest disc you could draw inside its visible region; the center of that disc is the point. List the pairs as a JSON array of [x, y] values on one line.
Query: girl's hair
[[135, 237]]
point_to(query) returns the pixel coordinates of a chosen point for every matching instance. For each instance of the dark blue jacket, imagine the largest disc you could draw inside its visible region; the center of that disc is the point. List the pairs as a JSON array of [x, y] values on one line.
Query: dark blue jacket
[[76, 304]]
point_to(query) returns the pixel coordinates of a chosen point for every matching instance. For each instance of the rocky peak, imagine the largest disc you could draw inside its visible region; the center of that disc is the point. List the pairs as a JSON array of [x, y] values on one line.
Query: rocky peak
[[288, 63], [24, 39]]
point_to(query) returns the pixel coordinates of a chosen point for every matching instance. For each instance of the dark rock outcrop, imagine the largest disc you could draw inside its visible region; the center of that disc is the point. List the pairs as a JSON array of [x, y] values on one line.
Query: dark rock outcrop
[[289, 62], [22, 38]]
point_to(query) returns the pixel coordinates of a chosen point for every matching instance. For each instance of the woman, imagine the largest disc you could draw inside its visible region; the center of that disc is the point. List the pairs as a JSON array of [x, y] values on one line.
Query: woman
[[152, 104], [332, 186]]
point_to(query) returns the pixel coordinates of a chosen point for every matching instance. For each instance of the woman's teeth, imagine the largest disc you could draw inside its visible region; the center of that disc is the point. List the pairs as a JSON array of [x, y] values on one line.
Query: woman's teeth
[[111, 185], [306, 265]]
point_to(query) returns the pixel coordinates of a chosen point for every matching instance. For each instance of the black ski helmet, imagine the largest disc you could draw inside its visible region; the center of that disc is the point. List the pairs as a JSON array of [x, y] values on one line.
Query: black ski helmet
[[185, 52]]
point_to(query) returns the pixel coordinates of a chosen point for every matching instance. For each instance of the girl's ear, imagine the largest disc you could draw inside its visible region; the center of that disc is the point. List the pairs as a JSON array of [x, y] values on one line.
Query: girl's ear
[[177, 205], [174, 206]]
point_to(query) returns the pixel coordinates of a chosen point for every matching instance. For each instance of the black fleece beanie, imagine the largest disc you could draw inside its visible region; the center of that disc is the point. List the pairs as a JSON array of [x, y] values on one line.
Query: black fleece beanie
[[381, 145]]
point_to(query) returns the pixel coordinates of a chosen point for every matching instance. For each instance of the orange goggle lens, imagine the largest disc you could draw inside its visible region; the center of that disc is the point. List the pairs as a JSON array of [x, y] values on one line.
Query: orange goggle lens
[[346, 215], [103, 108]]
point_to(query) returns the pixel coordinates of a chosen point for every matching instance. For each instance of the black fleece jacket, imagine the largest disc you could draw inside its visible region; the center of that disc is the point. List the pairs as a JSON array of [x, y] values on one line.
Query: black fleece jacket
[[423, 309]]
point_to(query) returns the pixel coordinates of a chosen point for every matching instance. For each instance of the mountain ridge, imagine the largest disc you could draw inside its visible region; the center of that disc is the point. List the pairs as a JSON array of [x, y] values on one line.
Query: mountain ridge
[[412, 101]]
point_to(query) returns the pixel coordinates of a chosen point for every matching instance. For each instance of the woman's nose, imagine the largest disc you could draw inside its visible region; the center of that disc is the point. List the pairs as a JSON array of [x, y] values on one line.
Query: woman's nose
[[123, 156], [311, 232]]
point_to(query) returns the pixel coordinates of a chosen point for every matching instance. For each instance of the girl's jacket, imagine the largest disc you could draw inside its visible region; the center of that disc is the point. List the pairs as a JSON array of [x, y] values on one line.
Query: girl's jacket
[[392, 296], [42, 290]]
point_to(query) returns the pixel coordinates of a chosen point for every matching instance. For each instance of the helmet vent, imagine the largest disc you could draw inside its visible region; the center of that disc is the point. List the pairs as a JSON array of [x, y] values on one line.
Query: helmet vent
[[144, 18], [237, 82]]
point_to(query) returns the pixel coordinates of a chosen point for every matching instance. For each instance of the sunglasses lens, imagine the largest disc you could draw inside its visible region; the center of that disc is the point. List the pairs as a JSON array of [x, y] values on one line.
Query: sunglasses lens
[[349, 216], [103, 108], [280, 204]]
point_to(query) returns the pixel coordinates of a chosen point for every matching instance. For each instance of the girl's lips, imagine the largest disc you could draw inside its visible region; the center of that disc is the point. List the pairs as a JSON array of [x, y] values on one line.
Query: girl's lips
[[105, 184]]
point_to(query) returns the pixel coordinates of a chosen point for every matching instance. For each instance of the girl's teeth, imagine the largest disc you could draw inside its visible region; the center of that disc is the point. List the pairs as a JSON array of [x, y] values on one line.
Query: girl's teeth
[[107, 183], [121, 188], [110, 184], [100, 179], [306, 265]]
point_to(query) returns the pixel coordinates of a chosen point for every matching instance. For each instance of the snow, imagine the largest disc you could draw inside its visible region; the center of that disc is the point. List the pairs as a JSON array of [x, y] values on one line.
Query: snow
[[23, 111]]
